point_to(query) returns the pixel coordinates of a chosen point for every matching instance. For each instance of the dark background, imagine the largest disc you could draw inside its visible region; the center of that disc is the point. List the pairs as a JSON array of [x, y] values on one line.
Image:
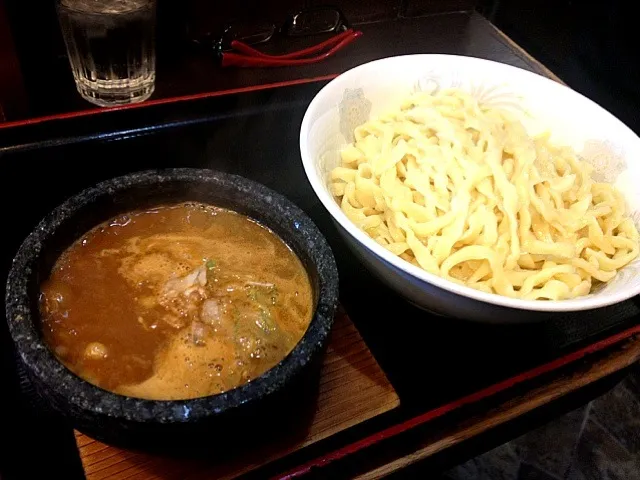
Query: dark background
[[43, 68], [592, 46]]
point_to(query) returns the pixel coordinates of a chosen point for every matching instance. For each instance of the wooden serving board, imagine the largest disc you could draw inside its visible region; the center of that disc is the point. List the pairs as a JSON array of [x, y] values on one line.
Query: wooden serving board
[[353, 388]]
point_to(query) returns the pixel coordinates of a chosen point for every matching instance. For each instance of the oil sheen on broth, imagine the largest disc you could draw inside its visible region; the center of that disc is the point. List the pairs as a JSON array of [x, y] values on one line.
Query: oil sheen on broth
[[175, 302]]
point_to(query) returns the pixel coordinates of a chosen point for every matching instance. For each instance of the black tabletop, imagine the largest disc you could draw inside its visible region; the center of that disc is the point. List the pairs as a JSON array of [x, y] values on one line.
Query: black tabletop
[[187, 72]]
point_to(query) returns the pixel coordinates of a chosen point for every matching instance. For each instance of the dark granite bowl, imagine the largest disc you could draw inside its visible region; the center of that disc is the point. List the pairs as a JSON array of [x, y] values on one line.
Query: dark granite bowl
[[130, 421]]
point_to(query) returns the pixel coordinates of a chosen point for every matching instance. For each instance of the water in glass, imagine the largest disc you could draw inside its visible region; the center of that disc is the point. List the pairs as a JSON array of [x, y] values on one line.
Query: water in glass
[[111, 48]]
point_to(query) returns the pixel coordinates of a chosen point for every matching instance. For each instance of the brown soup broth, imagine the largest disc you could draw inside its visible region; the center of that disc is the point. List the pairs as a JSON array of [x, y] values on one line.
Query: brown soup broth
[[175, 302]]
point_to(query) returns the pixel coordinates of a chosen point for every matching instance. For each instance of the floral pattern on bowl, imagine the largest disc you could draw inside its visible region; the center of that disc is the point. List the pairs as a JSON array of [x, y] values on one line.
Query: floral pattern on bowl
[[606, 159], [626, 276], [354, 111], [487, 95], [497, 96], [635, 216], [435, 80]]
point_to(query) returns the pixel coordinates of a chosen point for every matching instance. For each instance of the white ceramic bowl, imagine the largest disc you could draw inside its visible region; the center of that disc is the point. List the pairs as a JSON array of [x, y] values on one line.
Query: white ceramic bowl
[[542, 104]]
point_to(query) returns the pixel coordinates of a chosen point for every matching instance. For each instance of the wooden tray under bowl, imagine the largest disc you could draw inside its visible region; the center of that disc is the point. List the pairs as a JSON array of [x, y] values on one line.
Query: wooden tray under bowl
[[353, 388]]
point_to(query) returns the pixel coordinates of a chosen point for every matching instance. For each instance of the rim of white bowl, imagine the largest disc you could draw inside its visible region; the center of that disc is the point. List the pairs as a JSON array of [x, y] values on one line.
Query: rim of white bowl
[[577, 304]]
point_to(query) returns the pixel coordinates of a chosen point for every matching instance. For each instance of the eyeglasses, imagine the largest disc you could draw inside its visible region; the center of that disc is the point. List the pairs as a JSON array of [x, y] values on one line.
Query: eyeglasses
[[235, 45], [310, 21]]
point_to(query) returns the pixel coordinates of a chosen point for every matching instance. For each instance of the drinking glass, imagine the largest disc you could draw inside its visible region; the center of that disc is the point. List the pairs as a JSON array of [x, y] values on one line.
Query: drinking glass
[[111, 48]]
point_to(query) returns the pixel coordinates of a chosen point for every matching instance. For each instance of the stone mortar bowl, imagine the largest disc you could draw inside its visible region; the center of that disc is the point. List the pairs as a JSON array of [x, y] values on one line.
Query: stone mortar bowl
[[273, 400]]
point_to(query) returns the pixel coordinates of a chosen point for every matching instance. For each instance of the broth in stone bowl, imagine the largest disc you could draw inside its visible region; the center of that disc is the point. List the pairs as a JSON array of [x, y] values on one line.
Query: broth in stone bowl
[[174, 302], [156, 308]]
